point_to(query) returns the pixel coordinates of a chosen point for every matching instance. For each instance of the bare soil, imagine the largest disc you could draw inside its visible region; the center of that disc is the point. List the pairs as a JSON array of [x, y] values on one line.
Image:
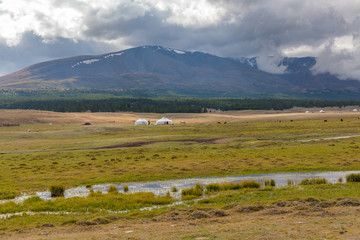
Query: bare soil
[[309, 219]]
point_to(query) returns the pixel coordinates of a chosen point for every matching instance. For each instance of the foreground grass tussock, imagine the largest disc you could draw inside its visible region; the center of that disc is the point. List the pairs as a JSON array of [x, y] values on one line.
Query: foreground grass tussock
[[216, 187], [353, 178], [313, 181], [95, 202], [57, 190], [7, 194], [193, 192]]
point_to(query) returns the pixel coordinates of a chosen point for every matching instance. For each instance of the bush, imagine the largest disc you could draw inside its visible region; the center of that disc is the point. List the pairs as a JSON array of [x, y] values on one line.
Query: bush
[[193, 192], [112, 189], [213, 187], [353, 177], [216, 187], [313, 181], [270, 183], [174, 189], [57, 190], [126, 188], [290, 182], [7, 194], [250, 184]]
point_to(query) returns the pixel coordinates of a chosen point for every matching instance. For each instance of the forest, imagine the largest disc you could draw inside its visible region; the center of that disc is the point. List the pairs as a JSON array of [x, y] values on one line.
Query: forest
[[168, 105]]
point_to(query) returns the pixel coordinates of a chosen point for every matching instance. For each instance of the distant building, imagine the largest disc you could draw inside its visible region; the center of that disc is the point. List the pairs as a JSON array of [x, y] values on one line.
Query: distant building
[[164, 121], [141, 121]]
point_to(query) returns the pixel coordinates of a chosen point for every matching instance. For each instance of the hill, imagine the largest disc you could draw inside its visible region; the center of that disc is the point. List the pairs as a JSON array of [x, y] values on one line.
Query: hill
[[159, 69]]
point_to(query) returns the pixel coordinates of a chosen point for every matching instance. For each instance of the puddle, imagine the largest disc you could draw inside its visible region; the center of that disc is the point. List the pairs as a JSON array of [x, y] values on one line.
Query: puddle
[[331, 138], [162, 187]]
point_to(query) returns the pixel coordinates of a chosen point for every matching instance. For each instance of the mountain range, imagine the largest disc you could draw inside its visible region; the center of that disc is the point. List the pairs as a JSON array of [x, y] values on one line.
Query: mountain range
[[156, 68]]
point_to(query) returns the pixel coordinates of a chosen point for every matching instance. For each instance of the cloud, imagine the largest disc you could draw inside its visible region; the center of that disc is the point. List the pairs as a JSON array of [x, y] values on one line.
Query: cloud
[[340, 57], [271, 64], [46, 29]]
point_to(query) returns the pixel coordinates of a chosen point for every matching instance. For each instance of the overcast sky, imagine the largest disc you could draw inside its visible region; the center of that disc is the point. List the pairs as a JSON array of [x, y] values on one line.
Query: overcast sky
[[37, 30]]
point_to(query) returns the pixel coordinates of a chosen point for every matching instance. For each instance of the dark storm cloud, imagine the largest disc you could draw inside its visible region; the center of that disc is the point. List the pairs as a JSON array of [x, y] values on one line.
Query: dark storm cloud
[[230, 28]]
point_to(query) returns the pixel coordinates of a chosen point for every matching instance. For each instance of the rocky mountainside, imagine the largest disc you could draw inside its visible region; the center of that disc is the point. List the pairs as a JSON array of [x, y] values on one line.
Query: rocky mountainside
[[158, 68]]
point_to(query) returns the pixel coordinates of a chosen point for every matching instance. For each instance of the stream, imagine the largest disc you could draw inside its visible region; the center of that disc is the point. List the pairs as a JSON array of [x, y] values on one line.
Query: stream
[[162, 187]]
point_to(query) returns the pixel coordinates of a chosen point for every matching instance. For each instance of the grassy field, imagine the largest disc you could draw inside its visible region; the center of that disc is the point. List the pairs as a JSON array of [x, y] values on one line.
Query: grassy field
[[34, 156]]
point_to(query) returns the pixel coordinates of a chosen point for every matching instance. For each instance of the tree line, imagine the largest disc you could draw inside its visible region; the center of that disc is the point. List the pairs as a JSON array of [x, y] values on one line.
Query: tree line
[[169, 105]]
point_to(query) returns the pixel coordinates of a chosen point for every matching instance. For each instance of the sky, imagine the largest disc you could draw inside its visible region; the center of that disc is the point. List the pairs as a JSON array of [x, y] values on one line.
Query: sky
[[32, 31]]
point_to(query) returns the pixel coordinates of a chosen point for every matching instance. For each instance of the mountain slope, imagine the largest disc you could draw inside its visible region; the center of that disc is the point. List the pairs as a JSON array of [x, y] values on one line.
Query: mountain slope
[[159, 68]]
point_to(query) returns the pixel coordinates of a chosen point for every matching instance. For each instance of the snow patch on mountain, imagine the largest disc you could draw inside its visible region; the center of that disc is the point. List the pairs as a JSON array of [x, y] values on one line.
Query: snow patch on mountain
[[249, 61], [179, 52], [114, 54], [89, 61]]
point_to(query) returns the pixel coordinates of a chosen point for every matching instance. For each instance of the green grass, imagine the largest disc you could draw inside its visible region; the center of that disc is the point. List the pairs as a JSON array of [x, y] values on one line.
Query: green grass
[[8, 194], [57, 190], [95, 202], [265, 196], [353, 178], [32, 161], [216, 187], [193, 192], [313, 181]]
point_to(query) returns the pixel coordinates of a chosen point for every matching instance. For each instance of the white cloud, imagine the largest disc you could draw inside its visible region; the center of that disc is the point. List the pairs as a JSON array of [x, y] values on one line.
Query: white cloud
[[341, 57], [231, 28], [271, 64]]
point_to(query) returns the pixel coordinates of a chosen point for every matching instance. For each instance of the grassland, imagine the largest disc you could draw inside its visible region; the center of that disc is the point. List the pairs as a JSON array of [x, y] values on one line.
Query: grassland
[[34, 156]]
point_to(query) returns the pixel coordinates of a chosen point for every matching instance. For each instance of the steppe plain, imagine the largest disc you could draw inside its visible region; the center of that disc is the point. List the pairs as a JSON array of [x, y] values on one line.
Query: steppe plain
[[50, 148]]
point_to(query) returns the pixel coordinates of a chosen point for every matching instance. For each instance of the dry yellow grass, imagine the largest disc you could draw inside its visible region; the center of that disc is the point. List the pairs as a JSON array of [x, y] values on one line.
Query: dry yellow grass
[[128, 118], [332, 223]]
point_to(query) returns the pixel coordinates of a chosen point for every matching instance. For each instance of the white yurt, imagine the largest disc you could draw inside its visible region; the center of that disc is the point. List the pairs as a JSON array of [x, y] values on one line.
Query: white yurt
[[355, 110], [322, 111], [141, 121], [307, 111], [164, 121]]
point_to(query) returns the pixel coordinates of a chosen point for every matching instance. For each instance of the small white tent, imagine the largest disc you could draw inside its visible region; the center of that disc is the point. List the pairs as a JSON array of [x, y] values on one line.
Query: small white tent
[[322, 111], [355, 110], [307, 111], [164, 121], [141, 121]]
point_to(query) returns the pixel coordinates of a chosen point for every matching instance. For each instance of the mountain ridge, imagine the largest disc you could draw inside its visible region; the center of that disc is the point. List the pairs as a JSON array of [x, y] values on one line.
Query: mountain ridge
[[159, 68]]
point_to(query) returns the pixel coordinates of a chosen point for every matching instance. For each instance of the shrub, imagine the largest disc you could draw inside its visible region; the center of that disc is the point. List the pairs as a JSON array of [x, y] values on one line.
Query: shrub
[[250, 184], [270, 183], [7, 194], [290, 182], [57, 190], [353, 177], [112, 189], [126, 188], [313, 181], [194, 192], [213, 187], [174, 189], [216, 187]]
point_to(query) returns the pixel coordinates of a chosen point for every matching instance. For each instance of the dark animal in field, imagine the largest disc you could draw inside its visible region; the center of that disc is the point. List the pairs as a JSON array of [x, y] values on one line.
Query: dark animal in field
[[325, 120], [87, 123], [291, 120], [341, 120], [225, 122]]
